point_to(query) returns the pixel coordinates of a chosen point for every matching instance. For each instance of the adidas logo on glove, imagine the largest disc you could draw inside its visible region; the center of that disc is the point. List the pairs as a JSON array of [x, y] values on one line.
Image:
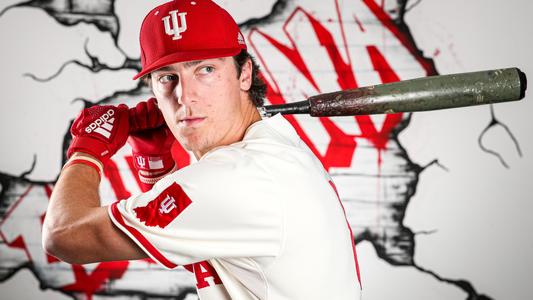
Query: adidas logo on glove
[[102, 125]]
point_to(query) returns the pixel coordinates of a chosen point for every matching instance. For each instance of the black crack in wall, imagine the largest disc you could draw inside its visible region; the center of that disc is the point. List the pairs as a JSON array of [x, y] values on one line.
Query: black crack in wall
[[493, 123], [71, 12], [404, 237]]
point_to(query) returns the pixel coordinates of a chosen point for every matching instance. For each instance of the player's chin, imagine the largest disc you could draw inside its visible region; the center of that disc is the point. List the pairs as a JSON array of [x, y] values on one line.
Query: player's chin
[[189, 141]]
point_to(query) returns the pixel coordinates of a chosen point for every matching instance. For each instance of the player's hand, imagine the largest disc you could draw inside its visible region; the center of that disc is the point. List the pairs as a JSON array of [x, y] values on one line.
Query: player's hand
[[145, 115], [150, 139], [100, 131]]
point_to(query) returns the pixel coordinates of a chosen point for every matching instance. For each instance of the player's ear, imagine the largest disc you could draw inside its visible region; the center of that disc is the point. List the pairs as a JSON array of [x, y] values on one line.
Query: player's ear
[[245, 79]]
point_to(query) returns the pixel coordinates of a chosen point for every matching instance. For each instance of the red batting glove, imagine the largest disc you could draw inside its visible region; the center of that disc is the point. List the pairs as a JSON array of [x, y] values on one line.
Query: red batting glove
[[100, 131], [150, 140], [146, 115]]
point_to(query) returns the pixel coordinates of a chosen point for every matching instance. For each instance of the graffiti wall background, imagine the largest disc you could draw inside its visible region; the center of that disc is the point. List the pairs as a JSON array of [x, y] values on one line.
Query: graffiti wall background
[[439, 202]]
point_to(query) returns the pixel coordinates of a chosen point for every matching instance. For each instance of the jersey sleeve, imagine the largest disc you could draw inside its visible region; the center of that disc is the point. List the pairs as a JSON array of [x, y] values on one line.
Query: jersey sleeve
[[221, 206]]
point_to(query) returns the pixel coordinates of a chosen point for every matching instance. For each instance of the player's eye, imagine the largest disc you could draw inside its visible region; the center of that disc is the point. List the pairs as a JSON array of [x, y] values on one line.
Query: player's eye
[[206, 70], [167, 78]]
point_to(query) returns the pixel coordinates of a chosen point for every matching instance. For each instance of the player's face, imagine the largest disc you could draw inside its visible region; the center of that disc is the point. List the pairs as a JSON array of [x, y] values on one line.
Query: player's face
[[204, 103]]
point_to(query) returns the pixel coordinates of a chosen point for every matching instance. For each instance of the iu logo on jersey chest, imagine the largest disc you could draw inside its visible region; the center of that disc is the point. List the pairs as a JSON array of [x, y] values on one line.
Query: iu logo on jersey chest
[[173, 26]]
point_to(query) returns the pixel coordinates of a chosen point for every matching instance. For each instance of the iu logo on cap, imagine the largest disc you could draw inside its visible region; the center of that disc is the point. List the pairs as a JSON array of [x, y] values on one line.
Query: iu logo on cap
[[176, 28]]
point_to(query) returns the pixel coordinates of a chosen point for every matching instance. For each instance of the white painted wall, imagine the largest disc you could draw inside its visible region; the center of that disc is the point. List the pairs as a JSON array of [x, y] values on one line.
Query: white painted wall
[[476, 210]]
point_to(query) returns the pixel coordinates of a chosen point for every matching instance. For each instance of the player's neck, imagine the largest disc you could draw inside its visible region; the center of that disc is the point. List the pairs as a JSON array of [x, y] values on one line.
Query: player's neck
[[250, 116]]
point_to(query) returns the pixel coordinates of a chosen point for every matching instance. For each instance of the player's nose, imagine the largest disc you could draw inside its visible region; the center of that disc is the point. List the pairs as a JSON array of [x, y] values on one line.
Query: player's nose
[[186, 92]]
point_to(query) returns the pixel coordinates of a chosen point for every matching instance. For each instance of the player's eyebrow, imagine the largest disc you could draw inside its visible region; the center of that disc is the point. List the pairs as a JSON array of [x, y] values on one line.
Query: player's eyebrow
[[164, 69], [191, 64], [187, 65]]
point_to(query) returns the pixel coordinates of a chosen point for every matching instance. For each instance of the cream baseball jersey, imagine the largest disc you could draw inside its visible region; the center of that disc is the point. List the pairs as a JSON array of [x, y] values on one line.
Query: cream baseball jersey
[[258, 219]]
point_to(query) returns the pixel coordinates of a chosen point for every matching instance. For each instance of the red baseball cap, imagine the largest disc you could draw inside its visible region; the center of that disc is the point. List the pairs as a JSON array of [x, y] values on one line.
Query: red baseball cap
[[185, 30]]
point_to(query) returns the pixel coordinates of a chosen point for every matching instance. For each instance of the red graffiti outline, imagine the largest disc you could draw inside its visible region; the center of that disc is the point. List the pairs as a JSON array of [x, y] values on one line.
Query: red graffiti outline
[[342, 146], [85, 282]]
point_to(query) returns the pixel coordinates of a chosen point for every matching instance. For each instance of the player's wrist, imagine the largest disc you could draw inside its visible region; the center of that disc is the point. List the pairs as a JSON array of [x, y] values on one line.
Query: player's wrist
[[78, 158], [148, 179], [89, 146], [153, 177], [84, 154], [154, 174]]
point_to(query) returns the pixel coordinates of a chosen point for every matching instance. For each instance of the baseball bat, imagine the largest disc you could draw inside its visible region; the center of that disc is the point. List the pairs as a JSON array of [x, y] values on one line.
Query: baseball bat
[[421, 94]]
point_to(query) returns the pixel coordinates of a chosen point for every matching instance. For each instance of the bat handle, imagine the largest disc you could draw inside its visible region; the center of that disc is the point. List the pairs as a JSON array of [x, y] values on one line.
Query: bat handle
[[301, 107]]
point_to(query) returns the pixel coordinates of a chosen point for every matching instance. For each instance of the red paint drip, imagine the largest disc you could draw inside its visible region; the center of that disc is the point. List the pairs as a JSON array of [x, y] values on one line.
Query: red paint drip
[[378, 138], [343, 34], [359, 24], [131, 166], [48, 190], [117, 184]]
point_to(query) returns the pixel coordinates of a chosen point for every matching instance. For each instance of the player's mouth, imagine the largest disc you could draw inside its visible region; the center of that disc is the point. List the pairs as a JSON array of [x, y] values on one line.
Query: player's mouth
[[191, 121]]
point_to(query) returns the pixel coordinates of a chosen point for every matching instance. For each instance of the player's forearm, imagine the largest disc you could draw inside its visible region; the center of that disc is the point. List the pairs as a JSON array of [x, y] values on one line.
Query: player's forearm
[[77, 229], [70, 214]]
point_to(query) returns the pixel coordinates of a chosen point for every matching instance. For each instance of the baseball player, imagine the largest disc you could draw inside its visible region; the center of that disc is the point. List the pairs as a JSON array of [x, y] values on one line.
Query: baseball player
[[256, 217]]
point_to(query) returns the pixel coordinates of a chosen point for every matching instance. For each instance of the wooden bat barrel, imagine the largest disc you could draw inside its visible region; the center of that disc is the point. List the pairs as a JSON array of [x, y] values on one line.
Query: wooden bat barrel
[[421, 94]]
